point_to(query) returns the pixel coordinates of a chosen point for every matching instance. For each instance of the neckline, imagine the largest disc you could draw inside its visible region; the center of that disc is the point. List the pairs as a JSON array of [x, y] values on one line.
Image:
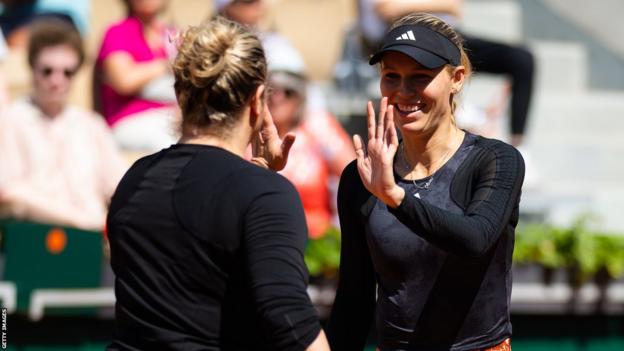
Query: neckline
[[466, 139]]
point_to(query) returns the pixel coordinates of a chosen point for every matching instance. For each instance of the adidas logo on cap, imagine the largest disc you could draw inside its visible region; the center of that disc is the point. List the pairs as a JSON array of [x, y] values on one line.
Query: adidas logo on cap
[[409, 35]]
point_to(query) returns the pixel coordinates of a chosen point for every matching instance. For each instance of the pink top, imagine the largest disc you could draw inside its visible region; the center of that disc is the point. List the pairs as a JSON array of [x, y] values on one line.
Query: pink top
[[127, 36]]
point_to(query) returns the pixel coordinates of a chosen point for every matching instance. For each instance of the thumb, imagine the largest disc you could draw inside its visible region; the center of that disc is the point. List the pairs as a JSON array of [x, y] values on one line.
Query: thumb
[[287, 143], [358, 145]]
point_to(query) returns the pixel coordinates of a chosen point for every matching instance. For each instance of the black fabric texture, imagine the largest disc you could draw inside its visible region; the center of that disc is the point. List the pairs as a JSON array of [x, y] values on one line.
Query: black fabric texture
[[207, 251], [441, 262]]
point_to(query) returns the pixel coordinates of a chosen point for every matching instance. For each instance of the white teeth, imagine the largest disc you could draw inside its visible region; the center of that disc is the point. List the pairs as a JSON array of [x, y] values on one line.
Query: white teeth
[[408, 108]]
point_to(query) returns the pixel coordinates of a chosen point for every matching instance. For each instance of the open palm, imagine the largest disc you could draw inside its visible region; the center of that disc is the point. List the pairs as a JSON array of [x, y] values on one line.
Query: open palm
[[269, 151], [375, 162]]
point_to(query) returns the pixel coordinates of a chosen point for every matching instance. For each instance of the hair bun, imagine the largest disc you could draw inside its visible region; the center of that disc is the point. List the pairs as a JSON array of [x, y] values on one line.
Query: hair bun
[[218, 66]]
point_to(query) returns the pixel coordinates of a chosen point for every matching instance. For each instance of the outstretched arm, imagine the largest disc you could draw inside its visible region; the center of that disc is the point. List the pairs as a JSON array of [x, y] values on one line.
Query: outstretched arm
[[495, 195], [495, 191]]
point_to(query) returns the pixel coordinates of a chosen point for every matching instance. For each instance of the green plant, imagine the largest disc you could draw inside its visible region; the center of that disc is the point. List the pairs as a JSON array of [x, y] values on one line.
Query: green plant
[[577, 248], [539, 243], [322, 255]]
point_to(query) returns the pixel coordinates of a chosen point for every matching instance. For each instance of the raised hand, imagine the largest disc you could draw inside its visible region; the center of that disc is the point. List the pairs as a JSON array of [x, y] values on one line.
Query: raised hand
[[268, 150], [375, 162]]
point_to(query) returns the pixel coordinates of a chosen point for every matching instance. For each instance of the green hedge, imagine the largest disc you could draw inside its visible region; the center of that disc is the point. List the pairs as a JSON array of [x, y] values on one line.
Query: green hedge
[[576, 247]]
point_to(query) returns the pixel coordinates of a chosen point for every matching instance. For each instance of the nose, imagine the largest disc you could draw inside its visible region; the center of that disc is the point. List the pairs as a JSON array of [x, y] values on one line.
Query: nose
[[406, 89], [58, 79]]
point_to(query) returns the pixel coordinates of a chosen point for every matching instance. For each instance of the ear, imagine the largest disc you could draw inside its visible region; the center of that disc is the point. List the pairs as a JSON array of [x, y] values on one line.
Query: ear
[[256, 105], [458, 74]]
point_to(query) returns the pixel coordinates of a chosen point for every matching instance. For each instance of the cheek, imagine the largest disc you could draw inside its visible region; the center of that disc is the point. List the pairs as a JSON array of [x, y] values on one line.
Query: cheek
[[436, 93], [388, 88]]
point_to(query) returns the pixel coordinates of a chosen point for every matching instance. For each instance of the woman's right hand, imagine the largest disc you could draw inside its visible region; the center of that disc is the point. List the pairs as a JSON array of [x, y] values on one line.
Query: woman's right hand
[[375, 161], [268, 150]]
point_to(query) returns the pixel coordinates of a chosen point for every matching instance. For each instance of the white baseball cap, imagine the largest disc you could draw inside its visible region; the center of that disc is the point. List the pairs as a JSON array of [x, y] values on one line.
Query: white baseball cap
[[220, 4], [282, 56]]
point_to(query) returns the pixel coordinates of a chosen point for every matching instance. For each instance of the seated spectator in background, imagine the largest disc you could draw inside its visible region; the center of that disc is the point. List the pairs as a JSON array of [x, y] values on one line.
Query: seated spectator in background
[[322, 149], [16, 16], [58, 163], [4, 93], [247, 12], [134, 78]]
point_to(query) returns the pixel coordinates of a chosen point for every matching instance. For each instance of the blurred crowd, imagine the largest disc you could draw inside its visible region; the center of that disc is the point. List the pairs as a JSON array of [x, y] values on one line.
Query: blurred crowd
[[60, 163]]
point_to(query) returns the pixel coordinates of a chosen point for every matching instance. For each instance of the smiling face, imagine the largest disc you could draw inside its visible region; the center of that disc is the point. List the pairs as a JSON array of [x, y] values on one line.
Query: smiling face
[[421, 97]]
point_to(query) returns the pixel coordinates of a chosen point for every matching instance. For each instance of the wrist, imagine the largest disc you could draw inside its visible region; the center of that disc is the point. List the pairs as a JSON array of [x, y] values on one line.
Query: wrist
[[394, 197]]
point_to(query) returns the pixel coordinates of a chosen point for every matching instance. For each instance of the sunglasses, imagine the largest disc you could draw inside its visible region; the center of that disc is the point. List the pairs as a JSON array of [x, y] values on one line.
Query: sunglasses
[[246, 2], [289, 93], [67, 72]]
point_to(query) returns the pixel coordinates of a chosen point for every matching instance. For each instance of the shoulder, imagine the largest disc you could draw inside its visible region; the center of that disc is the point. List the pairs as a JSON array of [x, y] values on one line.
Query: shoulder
[[21, 113], [122, 35], [257, 180], [239, 177], [21, 105], [493, 152], [122, 26], [493, 159], [140, 166], [88, 120], [495, 146], [85, 115]]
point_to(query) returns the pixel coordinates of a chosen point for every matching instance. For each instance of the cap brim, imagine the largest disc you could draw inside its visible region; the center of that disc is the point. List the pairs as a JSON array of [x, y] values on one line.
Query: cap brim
[[288, 80], [424, 57]]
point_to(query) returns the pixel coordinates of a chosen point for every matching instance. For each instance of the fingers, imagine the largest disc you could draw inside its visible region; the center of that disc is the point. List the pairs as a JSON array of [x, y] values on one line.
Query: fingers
[[287, 143], [267, 117], [383, 106], [358, 145], [391, 134], [370, 112], [255, 144]]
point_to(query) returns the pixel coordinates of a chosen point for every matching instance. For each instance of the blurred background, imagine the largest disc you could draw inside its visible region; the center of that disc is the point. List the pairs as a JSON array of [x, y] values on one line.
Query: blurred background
[[568, 291]]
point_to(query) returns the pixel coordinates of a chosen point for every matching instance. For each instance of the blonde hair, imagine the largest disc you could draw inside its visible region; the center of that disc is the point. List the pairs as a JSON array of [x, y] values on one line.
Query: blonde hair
[[218, 68], [434, 23]]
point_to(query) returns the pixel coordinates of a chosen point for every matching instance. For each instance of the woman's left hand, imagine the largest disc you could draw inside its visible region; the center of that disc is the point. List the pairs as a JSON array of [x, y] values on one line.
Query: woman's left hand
[[268, 150], [375, 162]]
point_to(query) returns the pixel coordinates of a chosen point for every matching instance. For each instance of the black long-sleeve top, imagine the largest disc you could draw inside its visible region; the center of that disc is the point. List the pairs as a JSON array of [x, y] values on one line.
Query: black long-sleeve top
[[207, 251], [441, 261]]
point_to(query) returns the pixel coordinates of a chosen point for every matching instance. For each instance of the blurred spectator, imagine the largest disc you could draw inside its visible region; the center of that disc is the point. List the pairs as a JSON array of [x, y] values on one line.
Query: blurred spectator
[[486, 55], [322, 148], [16, 15], [58, 163], [248, 12], [4, 94], [134, 83]]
